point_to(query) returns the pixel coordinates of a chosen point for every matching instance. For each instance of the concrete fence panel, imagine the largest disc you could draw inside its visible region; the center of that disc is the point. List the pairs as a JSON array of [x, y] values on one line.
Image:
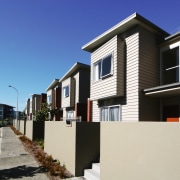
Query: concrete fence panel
[[59, 142], [77, 145], [29, 129], [141, 151], [22, 127], [35, 129]]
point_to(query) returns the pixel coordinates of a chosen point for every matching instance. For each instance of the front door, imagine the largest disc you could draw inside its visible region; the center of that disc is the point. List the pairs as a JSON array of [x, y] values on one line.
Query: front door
[[171, 113]]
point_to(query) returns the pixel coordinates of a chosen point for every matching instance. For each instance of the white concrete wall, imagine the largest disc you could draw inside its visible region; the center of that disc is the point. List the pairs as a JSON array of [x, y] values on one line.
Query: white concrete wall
[[21, 126], [140, 151], [29, 129], [60, 142]]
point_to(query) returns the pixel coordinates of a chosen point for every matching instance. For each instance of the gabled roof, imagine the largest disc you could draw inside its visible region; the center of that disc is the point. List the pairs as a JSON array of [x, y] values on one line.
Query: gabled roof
[[173, 36], [53, 84], [73, 69], [129, 22]]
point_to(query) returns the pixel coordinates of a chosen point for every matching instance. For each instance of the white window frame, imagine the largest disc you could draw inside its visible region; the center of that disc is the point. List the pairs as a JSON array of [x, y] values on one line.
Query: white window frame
[[98, 66], [49, 99], [166, 48], [109, 107], [65, 94], [70, 114]]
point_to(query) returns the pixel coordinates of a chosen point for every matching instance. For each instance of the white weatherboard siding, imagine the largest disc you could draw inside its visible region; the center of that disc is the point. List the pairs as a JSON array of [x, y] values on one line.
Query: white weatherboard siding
[[95, 112], [131, 109], [141, 69], [106, 87], [68, 101], [49, 93]]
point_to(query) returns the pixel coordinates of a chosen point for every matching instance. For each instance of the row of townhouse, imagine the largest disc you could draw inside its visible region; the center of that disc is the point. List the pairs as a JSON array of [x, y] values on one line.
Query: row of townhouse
[[33, 104], [69, 95], [134, 76], [134, 71]]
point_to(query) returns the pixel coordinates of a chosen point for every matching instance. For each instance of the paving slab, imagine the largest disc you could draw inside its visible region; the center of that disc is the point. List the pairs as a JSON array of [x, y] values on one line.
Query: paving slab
[[15, 162]]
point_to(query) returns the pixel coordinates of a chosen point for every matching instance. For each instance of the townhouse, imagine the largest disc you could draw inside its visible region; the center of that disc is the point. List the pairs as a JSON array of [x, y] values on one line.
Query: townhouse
[[167, 92], [75, 92], [133, 77], [34, 104], [128, 64], [54, 100]]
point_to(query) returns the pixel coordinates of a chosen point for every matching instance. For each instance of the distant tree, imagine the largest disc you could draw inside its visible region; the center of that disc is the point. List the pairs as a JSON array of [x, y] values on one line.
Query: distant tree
[[53, 112], [42, 115]]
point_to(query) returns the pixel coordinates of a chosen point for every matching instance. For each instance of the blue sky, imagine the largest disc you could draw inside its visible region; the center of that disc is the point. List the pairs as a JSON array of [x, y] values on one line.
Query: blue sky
[[41, 39]]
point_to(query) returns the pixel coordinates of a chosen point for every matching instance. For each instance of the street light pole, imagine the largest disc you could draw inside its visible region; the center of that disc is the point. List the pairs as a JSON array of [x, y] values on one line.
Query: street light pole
[[16, 107]]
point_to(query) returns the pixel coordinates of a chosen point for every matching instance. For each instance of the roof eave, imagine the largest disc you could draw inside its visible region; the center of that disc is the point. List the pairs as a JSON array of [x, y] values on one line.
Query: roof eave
[[54, 82], [134, 19], [75, 67]]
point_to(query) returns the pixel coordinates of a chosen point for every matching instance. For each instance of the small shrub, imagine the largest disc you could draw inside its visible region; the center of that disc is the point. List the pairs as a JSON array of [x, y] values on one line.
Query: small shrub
[[40, 142]]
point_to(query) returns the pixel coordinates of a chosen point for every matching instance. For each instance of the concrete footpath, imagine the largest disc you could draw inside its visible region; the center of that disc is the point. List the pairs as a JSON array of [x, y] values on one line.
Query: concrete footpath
[[15, 162]]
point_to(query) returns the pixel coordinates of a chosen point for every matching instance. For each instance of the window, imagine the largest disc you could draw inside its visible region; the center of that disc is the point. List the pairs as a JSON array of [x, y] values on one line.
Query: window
[[103, 68], [66, 91], [70, 114], [110, 113], [49, 99], [170, 66]]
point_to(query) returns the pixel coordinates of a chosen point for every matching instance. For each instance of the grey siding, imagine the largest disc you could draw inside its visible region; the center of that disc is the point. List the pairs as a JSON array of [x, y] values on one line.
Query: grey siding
[[130, 111], [149, 76], [108, 87], [121, 48]]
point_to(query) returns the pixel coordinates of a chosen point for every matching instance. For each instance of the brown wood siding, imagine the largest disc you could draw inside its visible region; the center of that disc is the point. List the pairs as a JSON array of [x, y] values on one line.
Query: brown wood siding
[[149, 75], [53, 99], [120, 66], [81, 110], [72, 92], [58, 97], [84, 85], [76, 88]]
